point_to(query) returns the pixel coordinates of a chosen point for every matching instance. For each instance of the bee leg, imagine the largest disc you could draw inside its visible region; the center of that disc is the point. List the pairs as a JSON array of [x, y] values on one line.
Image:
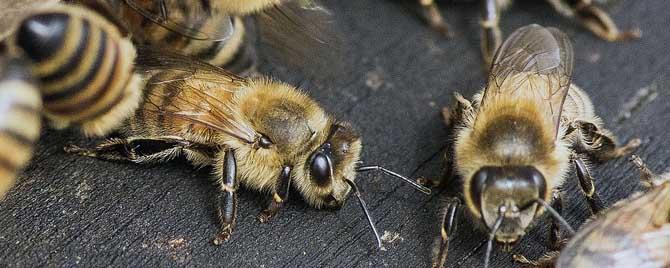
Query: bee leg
[[587, 185], [546, 261], [278, 197], [227, 198], [434, 17], [452, 116], [555, 240], [491, 37], [134, 149], [601, 144], [594, 19], [112, 150], [447, 229]]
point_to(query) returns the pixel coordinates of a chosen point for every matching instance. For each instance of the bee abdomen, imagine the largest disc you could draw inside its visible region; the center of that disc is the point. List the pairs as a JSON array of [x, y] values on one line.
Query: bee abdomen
[[84, 65], [19, 121]]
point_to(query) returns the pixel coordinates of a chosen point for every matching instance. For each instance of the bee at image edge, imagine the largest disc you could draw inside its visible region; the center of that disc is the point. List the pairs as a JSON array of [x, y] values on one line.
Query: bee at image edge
[[297, 31], [20, 105], [589, 14], [515, 141], [83, 64], [634, 232], [258, 133]]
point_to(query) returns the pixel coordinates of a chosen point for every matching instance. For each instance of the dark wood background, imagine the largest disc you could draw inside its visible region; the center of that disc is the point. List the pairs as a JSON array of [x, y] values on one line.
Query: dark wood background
[[73, 211]]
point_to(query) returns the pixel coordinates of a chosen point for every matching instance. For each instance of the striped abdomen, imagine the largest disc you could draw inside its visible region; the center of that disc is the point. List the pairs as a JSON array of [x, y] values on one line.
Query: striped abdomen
[[20, 105], [84, 66], [232, 53]]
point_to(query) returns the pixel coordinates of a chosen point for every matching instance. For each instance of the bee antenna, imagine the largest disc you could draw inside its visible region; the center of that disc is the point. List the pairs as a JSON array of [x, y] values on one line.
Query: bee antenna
[[492, 234], [365, 210], [555, 214], [417, 186]]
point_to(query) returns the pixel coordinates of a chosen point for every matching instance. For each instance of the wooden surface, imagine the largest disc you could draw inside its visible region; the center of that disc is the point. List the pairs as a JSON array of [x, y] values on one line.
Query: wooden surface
[[73, 211]]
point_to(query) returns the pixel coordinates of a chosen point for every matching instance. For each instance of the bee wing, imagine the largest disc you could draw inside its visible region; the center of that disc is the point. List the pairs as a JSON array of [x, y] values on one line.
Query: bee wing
[[186, 17], [198, 93], [530, 55], [301, 34]]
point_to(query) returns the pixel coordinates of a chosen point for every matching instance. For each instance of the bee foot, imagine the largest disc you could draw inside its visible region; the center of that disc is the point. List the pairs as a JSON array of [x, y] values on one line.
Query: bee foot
[[223, 236], [628, 148], [266, 215], [630, 35], [426, 182], [443, 29], [74, 149], [522, 259]]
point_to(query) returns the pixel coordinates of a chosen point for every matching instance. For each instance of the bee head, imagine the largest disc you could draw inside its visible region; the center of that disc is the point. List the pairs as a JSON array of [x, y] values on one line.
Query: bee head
[[333, 163], [506, 198]]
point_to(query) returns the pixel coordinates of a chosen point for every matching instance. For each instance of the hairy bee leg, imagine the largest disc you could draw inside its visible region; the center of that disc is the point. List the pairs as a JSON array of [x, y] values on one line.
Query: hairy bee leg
[[594, 19], [555, 239], [601, 144], [279, 197], [491, 36], [447, 229], [434, 17], [111, 150], [546, 261], [227, 198], [134, 149], [587, 185], [646, 173]]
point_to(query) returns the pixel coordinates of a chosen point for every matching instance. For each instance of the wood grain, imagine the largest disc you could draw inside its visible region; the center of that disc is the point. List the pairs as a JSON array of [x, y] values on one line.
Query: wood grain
[[72, 211]]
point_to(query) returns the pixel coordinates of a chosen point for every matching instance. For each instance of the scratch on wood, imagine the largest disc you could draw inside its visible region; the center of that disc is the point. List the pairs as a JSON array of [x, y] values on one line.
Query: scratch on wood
[[642, 97]]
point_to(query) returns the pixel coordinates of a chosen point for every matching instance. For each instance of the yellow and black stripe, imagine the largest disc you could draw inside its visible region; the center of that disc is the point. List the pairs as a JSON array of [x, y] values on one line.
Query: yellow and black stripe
[[231, 53], [84, 66], [20, 105]]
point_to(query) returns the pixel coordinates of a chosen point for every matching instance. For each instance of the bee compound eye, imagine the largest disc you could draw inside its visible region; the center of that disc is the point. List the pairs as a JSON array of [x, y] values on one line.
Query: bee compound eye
[[320, 169]]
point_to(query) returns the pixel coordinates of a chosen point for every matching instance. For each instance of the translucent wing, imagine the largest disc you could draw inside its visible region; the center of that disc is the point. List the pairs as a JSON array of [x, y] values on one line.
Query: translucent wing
[[190, 18], [196, 92], [533, 61], [301, 33]]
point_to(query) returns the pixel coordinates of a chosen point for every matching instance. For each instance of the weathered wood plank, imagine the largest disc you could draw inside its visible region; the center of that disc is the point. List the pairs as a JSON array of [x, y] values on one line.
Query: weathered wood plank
[[69, 211]]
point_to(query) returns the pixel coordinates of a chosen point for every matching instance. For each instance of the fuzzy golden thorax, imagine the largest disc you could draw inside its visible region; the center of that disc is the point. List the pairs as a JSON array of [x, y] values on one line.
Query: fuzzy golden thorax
[[297, 127], [509, 134]]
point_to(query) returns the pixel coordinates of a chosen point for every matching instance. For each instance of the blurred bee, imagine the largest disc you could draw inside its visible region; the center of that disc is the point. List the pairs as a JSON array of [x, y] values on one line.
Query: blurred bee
[[213, 31], [84, 65], [585, 12], [257, 133], [635, 232], [514, 143], [20, 105]]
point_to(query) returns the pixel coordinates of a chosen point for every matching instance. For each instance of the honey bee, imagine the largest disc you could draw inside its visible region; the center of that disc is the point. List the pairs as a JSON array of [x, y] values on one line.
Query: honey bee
[[20, 105], [213, 31], [635, 232], [83, 64], [258, 133], [589, 14], [515, 141]]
